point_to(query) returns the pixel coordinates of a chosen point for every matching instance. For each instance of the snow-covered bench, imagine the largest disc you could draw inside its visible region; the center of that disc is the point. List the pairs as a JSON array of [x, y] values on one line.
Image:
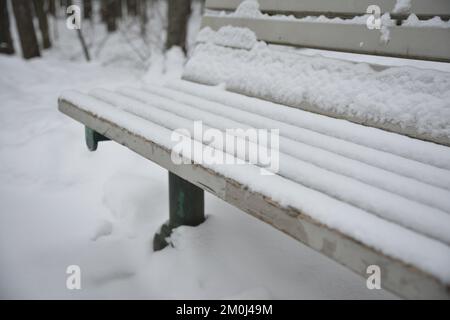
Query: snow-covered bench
[[360, 195]]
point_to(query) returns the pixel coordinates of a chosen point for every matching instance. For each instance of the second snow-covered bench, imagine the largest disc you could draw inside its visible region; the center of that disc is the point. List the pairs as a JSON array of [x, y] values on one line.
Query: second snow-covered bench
[[360, 195]]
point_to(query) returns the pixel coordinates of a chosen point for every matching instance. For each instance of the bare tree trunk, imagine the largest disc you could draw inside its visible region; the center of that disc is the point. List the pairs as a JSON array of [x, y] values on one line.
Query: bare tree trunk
[[144, 17], [87, 9], [178, 16], [65, 3], [83, 45], [43, 22], [52, 7], [119, 11], [6, 42], [132, 7], [25, 27], [103, 11], [53, 10], [202, 6], [110, 14]]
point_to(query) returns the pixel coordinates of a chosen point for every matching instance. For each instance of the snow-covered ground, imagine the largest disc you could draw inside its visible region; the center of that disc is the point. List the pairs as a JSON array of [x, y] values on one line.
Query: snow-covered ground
[[61, 205]]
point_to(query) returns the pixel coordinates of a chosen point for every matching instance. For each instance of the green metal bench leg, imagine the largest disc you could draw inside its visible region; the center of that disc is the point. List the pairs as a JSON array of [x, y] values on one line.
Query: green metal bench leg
[[93, 138], [186, 206]]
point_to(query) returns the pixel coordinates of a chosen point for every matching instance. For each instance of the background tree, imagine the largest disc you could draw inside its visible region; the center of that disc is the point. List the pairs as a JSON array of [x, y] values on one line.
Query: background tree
[[83, 45], [25, 27], [51, 7], [110, 14], [87, 9], [65, 3], [132, 7], [143, 17], [179, 12], [39, 6], [6, 42], [119, 8]]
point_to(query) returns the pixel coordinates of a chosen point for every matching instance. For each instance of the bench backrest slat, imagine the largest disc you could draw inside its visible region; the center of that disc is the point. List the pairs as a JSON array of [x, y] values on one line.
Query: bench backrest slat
[[422, 8], [405, 42]]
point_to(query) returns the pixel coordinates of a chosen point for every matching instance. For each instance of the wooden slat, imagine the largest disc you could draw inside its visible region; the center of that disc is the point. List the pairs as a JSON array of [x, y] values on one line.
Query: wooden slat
[[398, 277], [423, 8], [405, 42]]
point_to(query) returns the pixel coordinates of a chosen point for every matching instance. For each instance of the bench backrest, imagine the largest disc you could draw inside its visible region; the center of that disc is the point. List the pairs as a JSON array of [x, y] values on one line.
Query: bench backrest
[[398, 37]]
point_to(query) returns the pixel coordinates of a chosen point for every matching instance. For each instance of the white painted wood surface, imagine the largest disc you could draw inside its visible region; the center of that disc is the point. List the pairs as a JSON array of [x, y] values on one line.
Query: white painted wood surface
[[340, 7], [405, 42]]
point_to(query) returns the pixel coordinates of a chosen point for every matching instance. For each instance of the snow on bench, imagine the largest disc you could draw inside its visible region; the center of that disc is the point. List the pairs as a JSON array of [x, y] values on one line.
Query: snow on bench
[[422, 8], [360, 195], [403, 100], [394, 215]]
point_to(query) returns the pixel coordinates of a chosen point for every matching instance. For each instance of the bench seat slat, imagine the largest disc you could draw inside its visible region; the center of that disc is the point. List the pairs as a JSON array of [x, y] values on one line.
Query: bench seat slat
[[154, 107], [423, 161], [296, 154], [385, 204], [293, 137], [424, 8], [349, 228]]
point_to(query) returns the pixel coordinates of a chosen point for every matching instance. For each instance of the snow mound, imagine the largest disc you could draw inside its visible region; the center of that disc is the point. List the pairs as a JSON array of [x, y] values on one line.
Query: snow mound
[[248, 9], [435, 22], [402, 6], [174, 63]]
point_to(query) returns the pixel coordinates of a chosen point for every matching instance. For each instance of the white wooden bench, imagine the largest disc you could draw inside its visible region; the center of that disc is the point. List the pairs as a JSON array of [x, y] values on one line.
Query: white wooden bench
[[360, 195]]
